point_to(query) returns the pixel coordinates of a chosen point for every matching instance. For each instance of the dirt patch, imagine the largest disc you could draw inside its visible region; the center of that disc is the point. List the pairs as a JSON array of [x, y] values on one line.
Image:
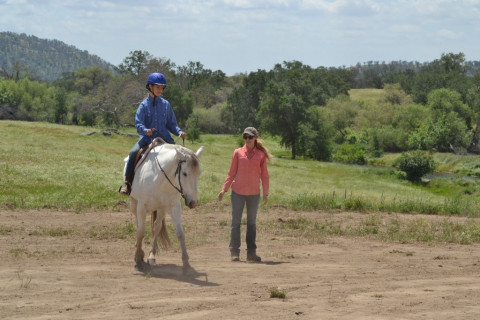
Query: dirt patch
[[67, 265]]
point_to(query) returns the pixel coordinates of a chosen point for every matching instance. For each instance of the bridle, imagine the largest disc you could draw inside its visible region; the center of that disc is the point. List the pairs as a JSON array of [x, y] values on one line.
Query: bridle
[[177, 171]]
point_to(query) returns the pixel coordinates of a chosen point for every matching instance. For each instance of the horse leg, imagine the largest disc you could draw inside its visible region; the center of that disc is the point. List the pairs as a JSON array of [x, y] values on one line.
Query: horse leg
[[176, 215], [133, 206], [139, 254], [156, 224]]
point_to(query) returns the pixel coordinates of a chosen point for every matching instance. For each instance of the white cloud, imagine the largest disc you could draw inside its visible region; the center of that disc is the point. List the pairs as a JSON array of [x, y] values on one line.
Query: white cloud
[[244, 35], [448, 34]]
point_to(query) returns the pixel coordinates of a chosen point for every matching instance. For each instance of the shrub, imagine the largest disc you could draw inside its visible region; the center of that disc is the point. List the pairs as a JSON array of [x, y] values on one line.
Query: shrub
[[415, 164], [193, 131], [351, 153]]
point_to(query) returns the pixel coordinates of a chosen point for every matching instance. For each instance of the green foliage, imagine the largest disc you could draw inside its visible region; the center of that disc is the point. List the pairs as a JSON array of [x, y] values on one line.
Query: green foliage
[[441, 134], [394, 94], [135, 62], [447, 72], [209, 120], [351, 153], [193, 130], [375, 147], [342, 112], [315, 136], [244, 102], [415, 164], [181, 101], [278, 102], [291, 91], [445, 101]]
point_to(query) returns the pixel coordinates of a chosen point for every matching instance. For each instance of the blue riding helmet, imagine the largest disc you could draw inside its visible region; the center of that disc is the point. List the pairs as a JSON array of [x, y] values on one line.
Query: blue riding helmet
[[156, 78]]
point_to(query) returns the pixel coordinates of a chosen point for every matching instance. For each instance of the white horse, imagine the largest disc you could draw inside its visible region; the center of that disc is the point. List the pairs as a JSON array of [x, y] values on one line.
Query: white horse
[[165, 174]]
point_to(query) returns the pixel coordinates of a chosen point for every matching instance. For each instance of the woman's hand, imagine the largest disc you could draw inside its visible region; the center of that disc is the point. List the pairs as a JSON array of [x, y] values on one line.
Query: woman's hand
[[220, 195], [265, 199]]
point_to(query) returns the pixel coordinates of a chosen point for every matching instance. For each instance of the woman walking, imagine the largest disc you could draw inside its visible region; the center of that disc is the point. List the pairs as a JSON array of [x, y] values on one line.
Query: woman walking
[[248, 168]]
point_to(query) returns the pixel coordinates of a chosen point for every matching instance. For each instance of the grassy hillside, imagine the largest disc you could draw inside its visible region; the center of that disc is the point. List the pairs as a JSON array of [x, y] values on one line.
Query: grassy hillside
[[55, 166]]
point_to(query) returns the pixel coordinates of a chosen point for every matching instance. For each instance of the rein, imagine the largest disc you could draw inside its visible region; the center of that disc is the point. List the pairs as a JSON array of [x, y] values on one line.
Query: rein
[[177, 171]]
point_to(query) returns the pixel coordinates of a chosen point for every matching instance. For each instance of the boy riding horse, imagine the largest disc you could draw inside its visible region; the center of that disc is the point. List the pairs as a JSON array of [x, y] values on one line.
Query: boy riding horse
[[154, 118]]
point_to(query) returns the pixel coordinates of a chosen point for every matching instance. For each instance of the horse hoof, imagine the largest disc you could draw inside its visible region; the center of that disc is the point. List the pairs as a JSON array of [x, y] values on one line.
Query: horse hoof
[[151, 262], [138, 267]]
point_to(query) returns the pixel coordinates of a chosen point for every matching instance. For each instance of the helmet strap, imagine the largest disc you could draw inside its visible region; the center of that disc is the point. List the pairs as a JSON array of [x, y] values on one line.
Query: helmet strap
[[151, 91]]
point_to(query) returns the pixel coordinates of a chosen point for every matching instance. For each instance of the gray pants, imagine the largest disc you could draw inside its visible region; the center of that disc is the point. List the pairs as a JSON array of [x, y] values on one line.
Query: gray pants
[[238, 203]]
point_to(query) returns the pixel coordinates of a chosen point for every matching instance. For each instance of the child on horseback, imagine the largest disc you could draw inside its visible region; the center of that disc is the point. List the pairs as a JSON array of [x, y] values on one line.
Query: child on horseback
[[154, 118]]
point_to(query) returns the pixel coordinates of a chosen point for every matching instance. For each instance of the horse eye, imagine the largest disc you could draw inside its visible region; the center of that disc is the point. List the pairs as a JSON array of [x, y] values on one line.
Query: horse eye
[[184, 174]]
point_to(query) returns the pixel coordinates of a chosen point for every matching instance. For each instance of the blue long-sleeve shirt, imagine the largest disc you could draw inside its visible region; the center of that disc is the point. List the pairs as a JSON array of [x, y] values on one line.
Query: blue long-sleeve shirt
[[159, 116]]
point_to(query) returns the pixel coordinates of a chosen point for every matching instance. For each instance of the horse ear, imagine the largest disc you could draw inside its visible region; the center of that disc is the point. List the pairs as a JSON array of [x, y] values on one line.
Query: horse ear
[[199, 152]]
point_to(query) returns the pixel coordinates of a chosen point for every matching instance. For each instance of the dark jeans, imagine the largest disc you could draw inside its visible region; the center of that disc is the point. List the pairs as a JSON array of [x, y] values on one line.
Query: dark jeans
[[131, 159], [238, 203]]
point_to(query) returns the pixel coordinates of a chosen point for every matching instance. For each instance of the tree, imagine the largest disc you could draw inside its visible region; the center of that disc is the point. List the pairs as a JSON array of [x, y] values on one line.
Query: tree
[[441, 134], [283, 107], [193, 130], [244, 102], [395, 95], [60, 112], [315, 136], [473, 100], [290, 91], [445, 101], [135, 62], [447, 72], [181, 101], [415, 164], [342, 113]]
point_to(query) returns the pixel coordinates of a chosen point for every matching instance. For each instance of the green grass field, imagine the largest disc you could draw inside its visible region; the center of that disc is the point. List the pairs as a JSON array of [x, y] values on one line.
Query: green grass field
[[55, 166]]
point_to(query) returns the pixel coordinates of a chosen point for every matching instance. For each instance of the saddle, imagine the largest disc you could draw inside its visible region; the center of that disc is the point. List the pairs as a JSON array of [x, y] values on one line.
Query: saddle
[[145, 150]]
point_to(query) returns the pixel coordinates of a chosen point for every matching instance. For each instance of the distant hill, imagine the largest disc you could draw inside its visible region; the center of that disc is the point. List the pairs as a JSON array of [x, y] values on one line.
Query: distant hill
[[45, 59]]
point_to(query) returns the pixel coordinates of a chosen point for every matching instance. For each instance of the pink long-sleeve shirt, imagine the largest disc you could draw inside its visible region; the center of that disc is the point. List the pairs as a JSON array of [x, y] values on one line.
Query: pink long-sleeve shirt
[[245, 173]]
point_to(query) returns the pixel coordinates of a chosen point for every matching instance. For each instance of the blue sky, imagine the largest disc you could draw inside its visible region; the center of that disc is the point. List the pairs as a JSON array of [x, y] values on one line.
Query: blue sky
[[246, 35]]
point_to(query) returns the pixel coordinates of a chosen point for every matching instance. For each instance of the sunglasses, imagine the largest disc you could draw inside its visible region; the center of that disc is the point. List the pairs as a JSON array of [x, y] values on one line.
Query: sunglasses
[[248, 137]]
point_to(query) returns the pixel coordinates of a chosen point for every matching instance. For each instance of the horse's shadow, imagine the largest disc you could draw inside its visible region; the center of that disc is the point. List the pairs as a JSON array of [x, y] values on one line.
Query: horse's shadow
[[175, 272]]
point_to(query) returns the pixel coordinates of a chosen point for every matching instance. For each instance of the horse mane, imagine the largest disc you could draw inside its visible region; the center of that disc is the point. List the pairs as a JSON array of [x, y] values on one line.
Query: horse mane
[[189, 156], [185, 154]]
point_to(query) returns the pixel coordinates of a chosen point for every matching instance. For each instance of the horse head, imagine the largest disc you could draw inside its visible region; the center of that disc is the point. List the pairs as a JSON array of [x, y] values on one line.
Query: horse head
[[188, 174]]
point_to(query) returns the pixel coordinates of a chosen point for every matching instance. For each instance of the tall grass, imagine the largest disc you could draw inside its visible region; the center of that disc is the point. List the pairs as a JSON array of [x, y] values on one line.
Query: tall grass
[[55, 166]]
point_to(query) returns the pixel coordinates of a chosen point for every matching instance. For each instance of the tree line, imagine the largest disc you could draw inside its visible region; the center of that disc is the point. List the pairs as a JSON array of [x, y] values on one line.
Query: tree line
[[433, 107]]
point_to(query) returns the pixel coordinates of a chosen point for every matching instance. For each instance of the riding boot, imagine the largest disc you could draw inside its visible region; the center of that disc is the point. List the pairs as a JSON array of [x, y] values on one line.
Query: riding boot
[[126, 188], [235, 254], [252, 256]]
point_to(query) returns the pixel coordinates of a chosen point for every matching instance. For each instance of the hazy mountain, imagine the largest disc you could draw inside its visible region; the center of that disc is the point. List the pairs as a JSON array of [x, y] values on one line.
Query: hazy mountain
[[45, 59]]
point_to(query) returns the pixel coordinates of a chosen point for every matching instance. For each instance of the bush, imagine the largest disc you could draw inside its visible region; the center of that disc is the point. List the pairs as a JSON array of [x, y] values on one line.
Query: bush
[[415, 164], [351, 153], [193, 131]]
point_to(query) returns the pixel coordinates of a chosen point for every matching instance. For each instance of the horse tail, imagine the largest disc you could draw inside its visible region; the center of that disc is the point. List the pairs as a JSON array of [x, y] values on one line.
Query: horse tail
[[163, 233], [163, 236], [153, 217]]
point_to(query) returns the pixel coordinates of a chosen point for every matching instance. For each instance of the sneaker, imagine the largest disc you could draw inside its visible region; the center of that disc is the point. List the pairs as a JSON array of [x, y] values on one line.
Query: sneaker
[[125, 189], [235, 258]]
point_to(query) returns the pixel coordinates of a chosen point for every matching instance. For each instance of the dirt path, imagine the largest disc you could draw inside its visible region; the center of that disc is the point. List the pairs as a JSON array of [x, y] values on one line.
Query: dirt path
[[66, 265]]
